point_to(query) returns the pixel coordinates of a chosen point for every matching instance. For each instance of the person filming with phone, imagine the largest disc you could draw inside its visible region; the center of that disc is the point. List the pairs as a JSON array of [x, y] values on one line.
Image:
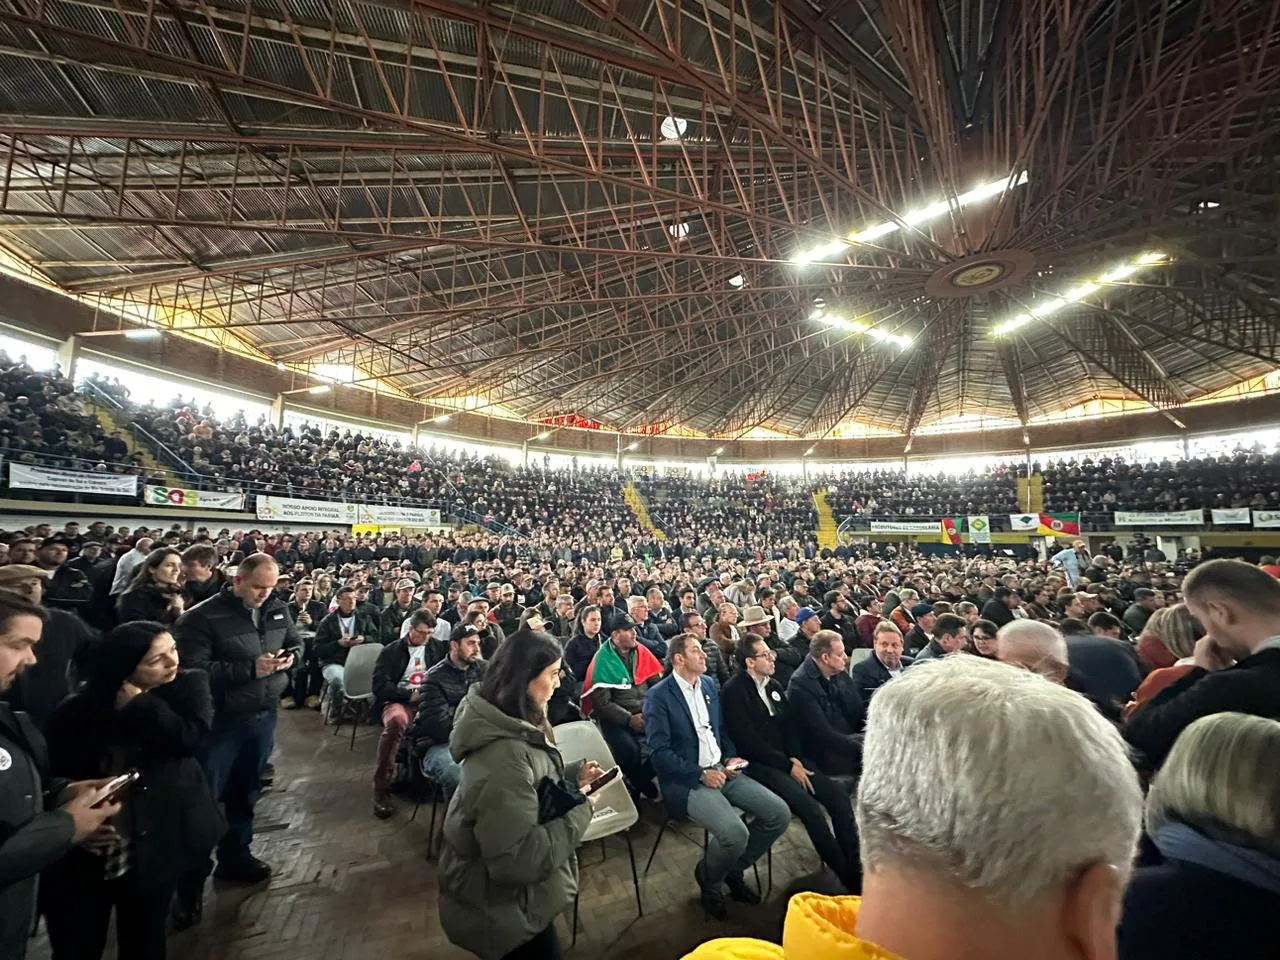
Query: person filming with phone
[[140, 716], [41, 820]]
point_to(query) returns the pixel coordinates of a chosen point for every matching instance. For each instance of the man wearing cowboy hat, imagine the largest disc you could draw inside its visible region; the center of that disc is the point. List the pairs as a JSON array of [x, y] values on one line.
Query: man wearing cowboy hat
[[756, 622]]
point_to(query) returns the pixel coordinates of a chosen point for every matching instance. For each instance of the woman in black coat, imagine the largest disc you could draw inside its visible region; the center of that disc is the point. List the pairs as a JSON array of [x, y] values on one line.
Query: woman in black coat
[[155, 592], [136, 712]]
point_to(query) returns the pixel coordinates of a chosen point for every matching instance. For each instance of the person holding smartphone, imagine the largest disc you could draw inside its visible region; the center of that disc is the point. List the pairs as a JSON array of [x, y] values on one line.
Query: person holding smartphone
[[139, 714], [346, 627]]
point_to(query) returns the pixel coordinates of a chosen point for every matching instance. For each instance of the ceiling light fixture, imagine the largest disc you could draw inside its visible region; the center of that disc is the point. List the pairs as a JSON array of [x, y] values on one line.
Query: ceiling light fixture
[[323, 388], [141, 334], [281, 367], [673, 128], [443, 418], [1051, 305], [545, 434], [737, 281], [1209, 204], [809, 452], [633, 445], [678, 230], [913, 219], [719, 450], [854, 325]]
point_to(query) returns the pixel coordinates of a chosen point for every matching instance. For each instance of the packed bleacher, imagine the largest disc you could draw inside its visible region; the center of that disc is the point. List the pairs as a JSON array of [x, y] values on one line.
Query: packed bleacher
[[1243, 478]]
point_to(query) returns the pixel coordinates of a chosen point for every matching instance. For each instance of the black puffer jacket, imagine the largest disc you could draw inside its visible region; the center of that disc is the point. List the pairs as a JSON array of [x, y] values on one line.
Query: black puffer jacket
[[218, 637], [442, 691]]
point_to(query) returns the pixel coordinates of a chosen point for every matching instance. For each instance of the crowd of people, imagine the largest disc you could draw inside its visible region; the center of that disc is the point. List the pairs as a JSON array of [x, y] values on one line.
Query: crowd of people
[[1243, 478], [722, 683]]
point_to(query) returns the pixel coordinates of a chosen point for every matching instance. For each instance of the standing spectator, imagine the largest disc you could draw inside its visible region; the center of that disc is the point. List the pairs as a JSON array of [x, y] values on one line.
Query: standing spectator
[[758, 716], [137, 711], [1071, 560], [244, 639], [885, 663], [155, 593], [127, 564], [200, 577], [1211, 813], [692, 754], [443, 689], [941, 876], [829, 710], [508, 865], [1237, 662], [67, 588], [40, 822], [398, 678]]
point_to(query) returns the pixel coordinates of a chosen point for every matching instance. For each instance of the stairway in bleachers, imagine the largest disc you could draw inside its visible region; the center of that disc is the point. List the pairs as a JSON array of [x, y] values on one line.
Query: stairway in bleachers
[[1031, 494], [636, 502], [827, 526], [110, 425]]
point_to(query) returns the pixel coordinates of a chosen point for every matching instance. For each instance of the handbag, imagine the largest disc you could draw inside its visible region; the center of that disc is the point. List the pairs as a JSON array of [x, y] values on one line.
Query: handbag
[[556, 797]]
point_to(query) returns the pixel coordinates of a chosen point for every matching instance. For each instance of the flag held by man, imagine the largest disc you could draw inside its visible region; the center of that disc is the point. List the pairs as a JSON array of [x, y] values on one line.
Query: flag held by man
[[607, 669]]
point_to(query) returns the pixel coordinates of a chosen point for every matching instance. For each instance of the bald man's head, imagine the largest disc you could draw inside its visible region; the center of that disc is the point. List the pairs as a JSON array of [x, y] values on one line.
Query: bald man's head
[[1035, 646]]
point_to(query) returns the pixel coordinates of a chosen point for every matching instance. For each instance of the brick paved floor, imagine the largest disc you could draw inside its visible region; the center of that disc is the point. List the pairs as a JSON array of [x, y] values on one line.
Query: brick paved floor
[[350, 886]]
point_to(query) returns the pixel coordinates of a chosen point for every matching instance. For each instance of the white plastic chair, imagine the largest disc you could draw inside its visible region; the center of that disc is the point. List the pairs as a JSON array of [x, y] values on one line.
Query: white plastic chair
[[857, 655], [615, 811], [357, 683]]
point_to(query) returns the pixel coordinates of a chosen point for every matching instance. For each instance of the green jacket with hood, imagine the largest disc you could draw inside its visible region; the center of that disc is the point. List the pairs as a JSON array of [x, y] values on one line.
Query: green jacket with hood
[[504, 877]]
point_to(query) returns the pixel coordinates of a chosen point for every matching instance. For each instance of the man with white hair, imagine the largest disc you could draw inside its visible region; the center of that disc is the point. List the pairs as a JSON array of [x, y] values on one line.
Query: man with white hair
[[128, 563], [1035, 646], [946, 744]]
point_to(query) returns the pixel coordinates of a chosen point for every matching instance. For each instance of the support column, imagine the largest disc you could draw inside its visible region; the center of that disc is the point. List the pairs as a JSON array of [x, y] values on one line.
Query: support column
[[277, 411], [69, 356], [524, 454], [617, 458], [415, 434]]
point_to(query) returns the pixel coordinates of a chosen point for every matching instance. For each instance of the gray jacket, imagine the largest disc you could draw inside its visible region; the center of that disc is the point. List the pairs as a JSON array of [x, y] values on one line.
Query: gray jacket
[[504, 877]]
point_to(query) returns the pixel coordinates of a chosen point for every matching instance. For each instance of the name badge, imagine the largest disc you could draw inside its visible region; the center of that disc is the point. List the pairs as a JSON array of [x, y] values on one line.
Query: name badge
[[277, 616], [6, 759], [777, 697]]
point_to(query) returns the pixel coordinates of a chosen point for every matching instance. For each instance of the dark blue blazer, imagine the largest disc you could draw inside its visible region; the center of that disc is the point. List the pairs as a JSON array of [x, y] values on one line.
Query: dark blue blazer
[[673, 741]]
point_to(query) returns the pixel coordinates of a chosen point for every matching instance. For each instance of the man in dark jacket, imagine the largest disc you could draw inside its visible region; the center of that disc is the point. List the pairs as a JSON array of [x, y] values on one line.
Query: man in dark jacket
[[921, 632], [948, 637], [1237, 661], [840, 617], [885, 663], [200, 577], [829, 711], [398, 677], [619, 709], [758, 717], [397, 611], [67, 588], [245, 640], [507, 612], [999, 609], [443, 689], [346, 627], [39, 822], [1104, 669]]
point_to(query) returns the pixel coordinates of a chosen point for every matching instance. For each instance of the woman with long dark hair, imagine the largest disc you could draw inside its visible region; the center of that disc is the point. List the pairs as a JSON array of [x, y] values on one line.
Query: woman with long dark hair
[[137, 711], [584, 643], [507, 861], [155, 593]]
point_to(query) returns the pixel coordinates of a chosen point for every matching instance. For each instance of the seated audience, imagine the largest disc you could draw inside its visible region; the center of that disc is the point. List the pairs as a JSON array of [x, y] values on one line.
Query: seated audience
[[920, 633], [398, 679], [988, 886], [443, 688], [886, 661], [695, 759], [338, 632], [1166, 648], [829, 712], [1211, 814], [618, 679], [586, 640], [758, 716], [982, 637], [948, 637]]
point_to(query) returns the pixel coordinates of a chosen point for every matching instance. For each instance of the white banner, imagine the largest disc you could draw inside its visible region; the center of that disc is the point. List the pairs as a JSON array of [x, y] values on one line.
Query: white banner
[[289, 510], [1264, 519], [1148, 519], [183, 497], [979, 529], [1022, 522], [383, 514], [1230, 514], [72, 481], [904, 526]]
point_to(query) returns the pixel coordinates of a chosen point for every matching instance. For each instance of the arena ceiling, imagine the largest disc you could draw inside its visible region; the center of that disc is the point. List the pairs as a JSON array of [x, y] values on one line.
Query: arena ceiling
[[595, 208]]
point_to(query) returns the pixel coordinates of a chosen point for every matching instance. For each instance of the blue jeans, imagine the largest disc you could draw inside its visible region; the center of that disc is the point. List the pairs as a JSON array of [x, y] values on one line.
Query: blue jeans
[[335, 674], [733, 845], [437, 762]]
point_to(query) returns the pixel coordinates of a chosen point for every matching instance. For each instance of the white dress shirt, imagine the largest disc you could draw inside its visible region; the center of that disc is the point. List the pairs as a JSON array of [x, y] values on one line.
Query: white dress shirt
[[708, 748], [762, 688]]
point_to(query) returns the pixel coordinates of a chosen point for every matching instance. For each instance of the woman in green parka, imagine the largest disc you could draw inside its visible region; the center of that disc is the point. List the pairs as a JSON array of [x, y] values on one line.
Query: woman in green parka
[[508, 866]]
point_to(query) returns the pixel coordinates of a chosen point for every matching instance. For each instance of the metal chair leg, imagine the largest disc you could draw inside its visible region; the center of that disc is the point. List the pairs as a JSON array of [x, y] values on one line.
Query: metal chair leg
[[355, 725], [574, 941], [431, 830], [635, 879], [654, 851]]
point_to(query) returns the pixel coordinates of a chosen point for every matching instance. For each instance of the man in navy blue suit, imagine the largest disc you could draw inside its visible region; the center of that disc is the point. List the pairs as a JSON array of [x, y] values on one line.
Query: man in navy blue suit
[[692, 754]]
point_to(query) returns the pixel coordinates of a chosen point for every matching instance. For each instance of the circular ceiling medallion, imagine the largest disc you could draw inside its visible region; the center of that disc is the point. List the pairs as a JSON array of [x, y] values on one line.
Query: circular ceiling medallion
[[980, 273]]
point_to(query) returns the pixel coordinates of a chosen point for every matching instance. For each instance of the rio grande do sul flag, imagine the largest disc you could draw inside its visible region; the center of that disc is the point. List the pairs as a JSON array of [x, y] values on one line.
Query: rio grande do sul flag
[[950, 531], [1059, 525]]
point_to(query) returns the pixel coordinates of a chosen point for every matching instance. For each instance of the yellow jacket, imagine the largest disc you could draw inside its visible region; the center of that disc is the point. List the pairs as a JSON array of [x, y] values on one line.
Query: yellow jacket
[[817, 928]]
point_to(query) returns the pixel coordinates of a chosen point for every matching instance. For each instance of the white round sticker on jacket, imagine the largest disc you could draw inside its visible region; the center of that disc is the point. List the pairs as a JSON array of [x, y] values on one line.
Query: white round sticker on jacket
[[6, 759]]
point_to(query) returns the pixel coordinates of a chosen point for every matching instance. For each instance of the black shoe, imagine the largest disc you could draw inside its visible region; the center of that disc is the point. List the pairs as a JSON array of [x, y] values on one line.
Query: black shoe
[[269, 774], [186, 915], [246, 869], [649, 790], [739, 890], [712, 900]]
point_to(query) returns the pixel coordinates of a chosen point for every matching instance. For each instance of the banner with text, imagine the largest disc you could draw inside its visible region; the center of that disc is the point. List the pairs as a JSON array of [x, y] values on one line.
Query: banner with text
[[72, 481], [1266, 519], [289, 510], [182, 497], [1230, 514], [383, 514], [1150, 519], [979, 529], [904, 526]]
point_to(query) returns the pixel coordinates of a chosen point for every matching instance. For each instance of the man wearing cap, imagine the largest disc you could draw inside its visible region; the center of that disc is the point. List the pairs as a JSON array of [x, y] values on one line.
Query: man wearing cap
[[66, 588], [507, 612], [66, 644], [398, 678], [443, 688], [921, 633], [618, 678], [400, 609]]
